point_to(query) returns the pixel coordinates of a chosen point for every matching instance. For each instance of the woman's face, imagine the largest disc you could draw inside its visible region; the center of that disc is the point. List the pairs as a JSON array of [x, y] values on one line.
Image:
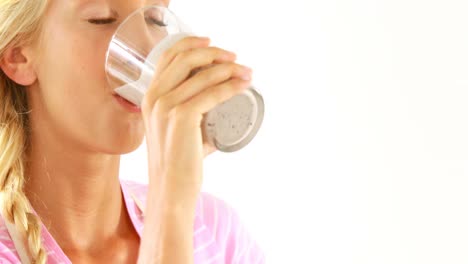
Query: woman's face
[[71, 98]]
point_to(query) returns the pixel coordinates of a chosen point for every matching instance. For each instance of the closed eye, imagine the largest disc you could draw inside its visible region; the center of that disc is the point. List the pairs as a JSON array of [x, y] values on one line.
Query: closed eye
[[156, 21], [102, 21]]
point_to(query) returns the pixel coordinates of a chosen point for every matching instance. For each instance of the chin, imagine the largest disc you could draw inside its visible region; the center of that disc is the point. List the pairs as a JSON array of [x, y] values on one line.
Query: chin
[[130, 147], [119, 145]]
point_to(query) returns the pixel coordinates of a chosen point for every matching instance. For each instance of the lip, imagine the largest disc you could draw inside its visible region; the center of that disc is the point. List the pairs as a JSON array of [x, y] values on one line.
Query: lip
[[128, 106]]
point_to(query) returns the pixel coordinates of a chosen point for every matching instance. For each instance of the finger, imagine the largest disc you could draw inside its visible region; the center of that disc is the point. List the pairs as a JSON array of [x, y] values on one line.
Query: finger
[[213, 96], [207, 78], [188, 61], [180, 69], [208, 149], [184, 44]]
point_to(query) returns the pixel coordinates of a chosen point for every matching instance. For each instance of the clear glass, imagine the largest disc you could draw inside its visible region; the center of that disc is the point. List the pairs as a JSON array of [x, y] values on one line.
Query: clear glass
[[131, 61], [127, 56]]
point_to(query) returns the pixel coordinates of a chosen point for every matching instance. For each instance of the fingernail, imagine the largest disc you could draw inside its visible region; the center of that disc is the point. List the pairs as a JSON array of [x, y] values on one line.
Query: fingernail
[[246, 68], [246, 76], [229, 55]]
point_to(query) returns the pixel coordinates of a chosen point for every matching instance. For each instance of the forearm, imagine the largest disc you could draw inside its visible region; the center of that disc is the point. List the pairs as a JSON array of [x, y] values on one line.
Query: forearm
[[168, 228]]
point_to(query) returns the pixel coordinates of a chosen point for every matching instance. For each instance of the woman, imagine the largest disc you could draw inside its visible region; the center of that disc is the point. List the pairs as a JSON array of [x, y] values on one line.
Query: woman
[[62, 131]]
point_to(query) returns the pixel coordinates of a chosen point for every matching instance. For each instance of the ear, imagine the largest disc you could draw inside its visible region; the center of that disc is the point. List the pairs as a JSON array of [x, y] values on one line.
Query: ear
[[17, 64]]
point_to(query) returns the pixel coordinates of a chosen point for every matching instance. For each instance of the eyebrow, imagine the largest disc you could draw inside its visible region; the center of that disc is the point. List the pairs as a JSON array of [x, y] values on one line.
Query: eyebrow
[[80, 4], [114, 13]]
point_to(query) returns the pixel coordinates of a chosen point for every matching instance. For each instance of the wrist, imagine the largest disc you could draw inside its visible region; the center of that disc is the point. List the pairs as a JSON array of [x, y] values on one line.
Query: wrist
[[168, 228], [170, 189]]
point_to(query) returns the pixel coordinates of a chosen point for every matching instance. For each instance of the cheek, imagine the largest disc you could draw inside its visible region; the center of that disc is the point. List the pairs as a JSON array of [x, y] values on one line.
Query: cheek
[[73, 93], [72, 83], [87, 65]]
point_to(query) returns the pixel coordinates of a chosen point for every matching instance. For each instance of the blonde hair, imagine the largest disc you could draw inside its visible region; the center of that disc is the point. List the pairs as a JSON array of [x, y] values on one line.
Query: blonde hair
[[20, 23]]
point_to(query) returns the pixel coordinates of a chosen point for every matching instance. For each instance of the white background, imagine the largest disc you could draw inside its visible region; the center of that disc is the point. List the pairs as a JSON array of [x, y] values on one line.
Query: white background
[[362, 157]]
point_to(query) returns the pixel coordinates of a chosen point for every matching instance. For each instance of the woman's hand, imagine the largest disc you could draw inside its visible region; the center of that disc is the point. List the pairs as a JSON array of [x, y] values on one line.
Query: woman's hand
[[174, 105], [191, 79]]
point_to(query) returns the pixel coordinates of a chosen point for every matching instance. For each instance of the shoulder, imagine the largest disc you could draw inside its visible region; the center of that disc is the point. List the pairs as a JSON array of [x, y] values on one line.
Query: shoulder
[[218, 228], [228, 230]]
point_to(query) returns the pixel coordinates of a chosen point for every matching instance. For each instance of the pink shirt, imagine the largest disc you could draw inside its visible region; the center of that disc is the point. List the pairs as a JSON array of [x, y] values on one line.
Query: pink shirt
[[219, 235]]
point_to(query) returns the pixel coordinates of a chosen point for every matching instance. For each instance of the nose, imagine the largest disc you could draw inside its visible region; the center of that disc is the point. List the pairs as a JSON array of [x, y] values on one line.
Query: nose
[[143, 30], [135, 38]]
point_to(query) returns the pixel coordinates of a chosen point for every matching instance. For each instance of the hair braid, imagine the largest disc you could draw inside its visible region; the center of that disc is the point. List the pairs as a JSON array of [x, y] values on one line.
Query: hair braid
[[19, 24]]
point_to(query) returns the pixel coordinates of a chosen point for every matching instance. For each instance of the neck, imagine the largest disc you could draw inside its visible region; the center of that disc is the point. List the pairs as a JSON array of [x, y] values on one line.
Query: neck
[[77, 195]]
